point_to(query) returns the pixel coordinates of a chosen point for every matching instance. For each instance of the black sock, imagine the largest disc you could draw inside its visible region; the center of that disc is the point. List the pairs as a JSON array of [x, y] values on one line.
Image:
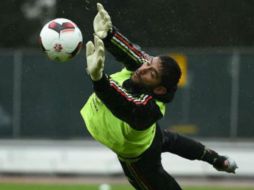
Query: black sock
[[209, 156]]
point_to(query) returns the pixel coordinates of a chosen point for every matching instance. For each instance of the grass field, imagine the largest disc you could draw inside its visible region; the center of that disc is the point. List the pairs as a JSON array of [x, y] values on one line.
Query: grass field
[[6, 186]]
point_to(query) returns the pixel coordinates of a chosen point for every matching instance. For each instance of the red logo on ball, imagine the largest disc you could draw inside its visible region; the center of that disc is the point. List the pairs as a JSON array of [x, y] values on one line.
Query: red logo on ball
[[58, 47]]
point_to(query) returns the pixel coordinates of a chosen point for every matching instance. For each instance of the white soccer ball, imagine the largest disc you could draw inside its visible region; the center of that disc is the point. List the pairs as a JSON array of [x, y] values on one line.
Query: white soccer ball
[[61, 39]]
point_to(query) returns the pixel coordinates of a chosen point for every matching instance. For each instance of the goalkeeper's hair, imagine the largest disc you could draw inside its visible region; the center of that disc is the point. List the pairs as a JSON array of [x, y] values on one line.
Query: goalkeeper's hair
[[170, 74]]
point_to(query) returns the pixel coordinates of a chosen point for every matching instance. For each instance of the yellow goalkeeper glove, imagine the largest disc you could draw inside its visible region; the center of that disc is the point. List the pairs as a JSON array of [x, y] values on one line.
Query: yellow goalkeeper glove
[[102, 22], [95, 57]]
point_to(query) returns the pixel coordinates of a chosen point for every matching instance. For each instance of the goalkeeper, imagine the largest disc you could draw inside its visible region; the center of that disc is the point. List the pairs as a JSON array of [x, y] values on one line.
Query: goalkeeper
[[123, 111]]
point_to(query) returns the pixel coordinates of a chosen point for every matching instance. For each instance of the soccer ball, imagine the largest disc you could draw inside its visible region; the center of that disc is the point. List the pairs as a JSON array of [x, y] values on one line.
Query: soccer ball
[[61, 39]]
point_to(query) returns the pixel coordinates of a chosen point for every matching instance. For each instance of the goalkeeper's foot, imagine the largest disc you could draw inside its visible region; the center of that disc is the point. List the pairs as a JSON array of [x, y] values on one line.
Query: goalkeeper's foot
[[223, 163]]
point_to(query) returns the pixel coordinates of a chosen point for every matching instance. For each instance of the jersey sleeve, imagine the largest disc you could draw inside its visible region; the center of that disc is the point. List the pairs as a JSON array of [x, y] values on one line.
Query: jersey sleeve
[[124, 50], [140, 113]]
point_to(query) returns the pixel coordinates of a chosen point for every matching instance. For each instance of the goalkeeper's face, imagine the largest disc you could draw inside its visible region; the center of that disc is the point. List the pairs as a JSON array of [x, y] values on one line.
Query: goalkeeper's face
[[148, 75]]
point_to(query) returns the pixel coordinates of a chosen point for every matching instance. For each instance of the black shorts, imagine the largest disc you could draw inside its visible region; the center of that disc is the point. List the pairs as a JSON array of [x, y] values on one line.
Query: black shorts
[[147, 172]]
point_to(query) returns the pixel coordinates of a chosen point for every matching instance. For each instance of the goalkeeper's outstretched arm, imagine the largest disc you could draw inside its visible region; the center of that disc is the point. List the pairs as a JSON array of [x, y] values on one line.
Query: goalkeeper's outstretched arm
[[116, 43]]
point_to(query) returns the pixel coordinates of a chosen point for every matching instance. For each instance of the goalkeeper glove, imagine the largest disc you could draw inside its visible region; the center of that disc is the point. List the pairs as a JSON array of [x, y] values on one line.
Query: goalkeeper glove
[[102, 22], [95, 57]]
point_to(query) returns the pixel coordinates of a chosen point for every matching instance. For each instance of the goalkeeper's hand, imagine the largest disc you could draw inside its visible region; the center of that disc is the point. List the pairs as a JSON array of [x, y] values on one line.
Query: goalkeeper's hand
[[102, 22], [223, 163], [95, 57]]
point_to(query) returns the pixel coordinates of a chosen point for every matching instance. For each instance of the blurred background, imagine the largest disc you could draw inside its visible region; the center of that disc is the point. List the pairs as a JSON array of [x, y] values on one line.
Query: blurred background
[[41, 129]]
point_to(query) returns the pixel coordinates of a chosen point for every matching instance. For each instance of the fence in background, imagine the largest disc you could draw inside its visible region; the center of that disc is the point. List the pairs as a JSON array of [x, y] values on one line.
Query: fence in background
[[59, 157], [42, 99]]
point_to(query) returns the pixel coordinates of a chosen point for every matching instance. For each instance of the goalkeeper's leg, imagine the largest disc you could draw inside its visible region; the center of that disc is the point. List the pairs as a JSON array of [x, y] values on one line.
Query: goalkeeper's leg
[[181, 145], [147, 172], [191, 149], [149, 176]]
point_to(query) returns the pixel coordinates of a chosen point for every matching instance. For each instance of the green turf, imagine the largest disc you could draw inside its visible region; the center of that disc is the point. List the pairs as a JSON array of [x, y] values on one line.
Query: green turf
[[4, 186], [58, 187], [218, 188]]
